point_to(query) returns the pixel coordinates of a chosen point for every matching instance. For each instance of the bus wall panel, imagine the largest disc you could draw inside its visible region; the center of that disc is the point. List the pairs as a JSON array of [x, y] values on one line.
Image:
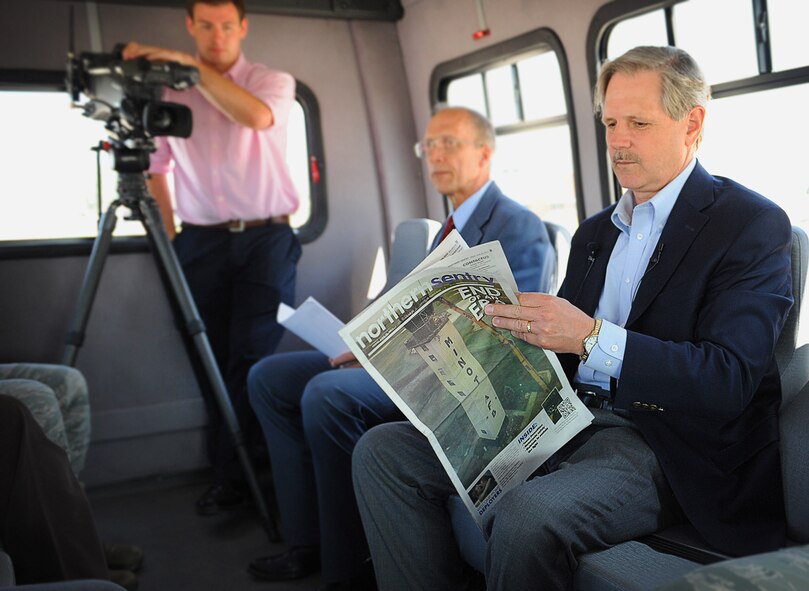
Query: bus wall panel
[[142, 386]]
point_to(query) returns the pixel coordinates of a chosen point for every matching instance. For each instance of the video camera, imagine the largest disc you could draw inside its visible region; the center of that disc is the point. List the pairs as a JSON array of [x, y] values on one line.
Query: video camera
[[126, 95]]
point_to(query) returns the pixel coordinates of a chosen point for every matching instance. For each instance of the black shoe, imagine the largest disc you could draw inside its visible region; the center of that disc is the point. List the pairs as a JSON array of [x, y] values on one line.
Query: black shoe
[[219, 496], [296, 563], [123, 556]]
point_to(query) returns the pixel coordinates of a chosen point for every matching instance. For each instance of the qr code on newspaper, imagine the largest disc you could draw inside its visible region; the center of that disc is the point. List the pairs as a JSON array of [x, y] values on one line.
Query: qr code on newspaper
[[566, 408]]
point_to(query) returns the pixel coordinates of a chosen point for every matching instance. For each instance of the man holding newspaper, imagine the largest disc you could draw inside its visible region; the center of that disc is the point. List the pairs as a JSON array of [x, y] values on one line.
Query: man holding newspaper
[[666, 323], [313, 409]]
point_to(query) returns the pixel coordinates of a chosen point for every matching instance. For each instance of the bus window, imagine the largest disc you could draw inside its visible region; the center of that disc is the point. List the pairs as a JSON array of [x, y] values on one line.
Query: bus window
[[645, 29], [524, 96], [50, 186], [787, 23], [51, 191]]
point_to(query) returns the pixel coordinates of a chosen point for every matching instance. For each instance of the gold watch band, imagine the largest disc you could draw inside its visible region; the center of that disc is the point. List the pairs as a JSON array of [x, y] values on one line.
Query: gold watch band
[[590, 340]]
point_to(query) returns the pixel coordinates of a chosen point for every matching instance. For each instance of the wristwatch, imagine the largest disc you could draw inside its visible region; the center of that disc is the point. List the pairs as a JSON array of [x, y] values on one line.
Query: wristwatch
[[590, 341]]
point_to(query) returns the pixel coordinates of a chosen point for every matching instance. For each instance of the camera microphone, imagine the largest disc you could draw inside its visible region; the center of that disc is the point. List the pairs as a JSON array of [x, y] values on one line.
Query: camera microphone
[[652, 264], [654, 259], [592, 251]]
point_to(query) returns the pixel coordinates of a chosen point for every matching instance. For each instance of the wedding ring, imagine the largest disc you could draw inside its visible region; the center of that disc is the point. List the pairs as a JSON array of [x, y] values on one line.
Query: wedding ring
[[528, 327]]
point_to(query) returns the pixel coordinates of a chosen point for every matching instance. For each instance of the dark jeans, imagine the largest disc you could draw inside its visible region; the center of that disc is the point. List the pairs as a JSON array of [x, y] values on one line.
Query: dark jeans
[[312, 416], [237, 280]]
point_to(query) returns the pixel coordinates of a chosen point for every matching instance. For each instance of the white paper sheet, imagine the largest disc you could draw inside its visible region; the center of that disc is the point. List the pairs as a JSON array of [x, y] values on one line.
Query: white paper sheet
[[315, 325]]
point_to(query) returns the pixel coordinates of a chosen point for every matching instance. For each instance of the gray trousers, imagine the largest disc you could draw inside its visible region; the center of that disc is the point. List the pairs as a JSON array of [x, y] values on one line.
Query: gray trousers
[[57, 397], [603, 488]]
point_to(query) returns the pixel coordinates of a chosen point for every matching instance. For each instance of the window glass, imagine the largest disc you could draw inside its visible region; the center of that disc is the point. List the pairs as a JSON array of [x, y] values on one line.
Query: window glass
[[502, 102], [788, 20], [543, 94], [298, 162], [646, 29], [52, 192], [50, 182], [695, 31], [543, 153], [772, 158], [467, 92], [533, 161]]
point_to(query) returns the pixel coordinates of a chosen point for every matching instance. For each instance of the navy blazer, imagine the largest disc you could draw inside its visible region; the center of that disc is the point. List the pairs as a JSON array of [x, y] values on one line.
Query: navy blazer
[[521, 233], [699, 376]]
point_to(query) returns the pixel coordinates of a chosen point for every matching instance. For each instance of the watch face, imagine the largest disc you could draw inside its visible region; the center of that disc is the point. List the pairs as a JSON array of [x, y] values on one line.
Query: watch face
[[589, 343]]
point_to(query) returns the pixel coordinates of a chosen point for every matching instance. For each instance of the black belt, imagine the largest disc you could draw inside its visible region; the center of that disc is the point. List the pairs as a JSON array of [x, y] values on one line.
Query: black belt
[[593, 396], [242, 225]]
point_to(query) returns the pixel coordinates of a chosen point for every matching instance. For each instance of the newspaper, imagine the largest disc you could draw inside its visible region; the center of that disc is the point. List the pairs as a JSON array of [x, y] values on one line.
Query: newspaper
[[493, 407]]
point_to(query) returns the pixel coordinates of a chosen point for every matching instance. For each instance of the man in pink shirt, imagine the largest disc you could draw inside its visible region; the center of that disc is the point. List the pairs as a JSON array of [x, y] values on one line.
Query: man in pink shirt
[[233, 195]]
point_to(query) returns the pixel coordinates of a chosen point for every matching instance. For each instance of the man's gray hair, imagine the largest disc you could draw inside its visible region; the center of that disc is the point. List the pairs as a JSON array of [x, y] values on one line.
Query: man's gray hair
[[684, 85], [483, 127]]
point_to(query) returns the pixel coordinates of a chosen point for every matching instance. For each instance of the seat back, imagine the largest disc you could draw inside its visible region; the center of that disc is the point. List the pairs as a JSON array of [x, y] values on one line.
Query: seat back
[[795, 461], [6, 569], [560, 240], [792, 365], [411, 241]]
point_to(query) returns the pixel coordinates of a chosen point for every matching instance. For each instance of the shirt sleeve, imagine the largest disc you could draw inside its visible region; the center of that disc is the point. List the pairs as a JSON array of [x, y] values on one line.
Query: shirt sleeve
[[160, 161], [608, 355], [275, 89]]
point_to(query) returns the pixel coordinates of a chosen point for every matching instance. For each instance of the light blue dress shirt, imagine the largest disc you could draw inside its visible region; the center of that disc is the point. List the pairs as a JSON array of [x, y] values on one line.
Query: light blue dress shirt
[[461, 215], [640, 229]]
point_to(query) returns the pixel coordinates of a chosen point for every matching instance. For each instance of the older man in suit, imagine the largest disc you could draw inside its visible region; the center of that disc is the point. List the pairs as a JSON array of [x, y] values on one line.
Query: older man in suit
[[666, 323], [313, 409]]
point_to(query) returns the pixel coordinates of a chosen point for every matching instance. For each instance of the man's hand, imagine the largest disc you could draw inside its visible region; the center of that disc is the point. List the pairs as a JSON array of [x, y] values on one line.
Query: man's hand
[[555, 323], [150, 52], [236, 103], [344, 360]]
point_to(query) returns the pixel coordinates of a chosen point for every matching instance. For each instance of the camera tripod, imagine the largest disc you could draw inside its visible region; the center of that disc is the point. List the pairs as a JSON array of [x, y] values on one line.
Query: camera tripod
[[133, 194]]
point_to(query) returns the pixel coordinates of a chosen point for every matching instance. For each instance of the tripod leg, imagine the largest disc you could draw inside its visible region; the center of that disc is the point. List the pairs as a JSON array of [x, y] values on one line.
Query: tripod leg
[[150, 215], [89, 286]]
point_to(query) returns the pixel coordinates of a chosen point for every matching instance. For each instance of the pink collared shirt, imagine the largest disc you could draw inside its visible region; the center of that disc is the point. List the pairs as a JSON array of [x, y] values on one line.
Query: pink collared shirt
[[226, 171]]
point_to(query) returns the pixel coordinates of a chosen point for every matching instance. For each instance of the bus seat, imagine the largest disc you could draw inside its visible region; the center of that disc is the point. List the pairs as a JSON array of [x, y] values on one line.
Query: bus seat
[[560, 240], [784, 569], [6, 570], [411, 241], [665, 556], [787, 568]]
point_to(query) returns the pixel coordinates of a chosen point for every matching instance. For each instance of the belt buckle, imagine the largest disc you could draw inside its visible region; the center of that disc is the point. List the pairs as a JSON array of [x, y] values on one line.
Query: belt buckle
[[237, 228]]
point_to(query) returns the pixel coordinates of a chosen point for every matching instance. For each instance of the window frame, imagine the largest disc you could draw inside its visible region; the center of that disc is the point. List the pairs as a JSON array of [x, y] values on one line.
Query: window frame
[[500, 54], [611, 14], [54, 81]]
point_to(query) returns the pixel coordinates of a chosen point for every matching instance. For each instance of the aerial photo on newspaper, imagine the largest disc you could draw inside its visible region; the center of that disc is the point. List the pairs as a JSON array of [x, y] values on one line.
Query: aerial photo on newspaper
[[493, 407]]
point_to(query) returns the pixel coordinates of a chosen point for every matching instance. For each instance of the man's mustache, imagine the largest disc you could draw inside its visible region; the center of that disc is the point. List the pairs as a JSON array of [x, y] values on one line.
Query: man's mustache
[[624, 156]]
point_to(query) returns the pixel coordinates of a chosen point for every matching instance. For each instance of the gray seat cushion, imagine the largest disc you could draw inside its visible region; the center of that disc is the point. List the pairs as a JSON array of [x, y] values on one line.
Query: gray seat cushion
[[631, 566], [6, 570], [774, 571]]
